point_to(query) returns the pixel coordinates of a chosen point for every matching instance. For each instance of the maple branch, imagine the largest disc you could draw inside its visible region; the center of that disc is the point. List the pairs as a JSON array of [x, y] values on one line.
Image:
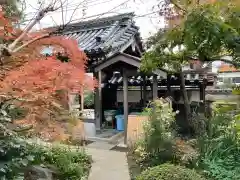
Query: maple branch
[[39, 16], [177, 6], [62, 11], [30, 42]]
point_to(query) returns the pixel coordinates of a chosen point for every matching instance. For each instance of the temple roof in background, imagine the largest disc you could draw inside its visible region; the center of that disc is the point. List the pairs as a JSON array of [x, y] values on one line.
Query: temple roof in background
[[190, 78], [109, 35]]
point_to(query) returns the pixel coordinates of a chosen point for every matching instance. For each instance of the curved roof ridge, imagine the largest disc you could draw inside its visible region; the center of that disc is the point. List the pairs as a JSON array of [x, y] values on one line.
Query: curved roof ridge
[[97, 21]]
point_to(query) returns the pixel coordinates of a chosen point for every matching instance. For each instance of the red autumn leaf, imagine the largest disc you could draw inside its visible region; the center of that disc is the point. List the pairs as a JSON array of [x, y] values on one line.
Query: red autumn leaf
[[44, 77], [41, 76], [34, 78]]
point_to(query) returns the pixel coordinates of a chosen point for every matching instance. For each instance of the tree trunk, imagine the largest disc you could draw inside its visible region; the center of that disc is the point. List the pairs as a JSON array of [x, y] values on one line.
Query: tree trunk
[[185, 100]]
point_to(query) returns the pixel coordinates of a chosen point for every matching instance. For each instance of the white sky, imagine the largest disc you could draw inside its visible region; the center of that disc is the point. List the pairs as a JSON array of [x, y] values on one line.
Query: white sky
[[147, 23]]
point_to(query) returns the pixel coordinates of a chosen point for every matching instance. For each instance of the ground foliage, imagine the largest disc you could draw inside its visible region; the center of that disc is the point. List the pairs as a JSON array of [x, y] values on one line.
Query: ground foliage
[[214, 154], [169, 172], [219, 149]]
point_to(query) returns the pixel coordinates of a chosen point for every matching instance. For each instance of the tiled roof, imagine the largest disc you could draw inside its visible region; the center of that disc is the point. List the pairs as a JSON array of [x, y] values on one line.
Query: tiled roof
[[118, 79], [110, 34]]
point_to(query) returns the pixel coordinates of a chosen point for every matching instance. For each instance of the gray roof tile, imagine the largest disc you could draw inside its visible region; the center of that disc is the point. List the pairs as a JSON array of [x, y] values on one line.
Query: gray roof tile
[[114, 33]]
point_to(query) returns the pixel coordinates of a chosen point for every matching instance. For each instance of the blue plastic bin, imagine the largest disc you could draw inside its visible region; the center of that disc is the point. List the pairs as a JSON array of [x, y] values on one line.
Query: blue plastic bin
[[120, 122]]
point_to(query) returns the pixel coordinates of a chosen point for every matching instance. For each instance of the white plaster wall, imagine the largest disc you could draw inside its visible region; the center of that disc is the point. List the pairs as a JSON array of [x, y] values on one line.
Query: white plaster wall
[[227, 78], [192, 95], [223, 97], [230, 74], [135, 96], [195, 96]]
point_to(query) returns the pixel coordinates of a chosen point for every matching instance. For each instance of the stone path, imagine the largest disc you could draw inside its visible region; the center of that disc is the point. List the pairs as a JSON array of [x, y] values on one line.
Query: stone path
[[108, 165]]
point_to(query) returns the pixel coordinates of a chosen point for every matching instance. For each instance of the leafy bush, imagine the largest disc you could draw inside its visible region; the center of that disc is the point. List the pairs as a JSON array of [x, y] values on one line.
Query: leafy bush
[[185, 153], [17, 112], [169, 172], [12, 148], [219, 148], [157, 145], [16, 154], [88, 99], [71, 165]]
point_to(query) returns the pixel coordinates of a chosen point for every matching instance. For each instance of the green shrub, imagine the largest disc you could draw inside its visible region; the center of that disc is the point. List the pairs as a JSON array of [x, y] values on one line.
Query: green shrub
[[88, 99], [71, 165], [169, 172], [186, 154], [219, 149], [16, 154], [17, 112], [157, 145]]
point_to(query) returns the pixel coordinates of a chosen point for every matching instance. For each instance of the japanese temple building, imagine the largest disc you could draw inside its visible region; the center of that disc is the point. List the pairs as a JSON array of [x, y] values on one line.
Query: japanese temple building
[[114, 47]]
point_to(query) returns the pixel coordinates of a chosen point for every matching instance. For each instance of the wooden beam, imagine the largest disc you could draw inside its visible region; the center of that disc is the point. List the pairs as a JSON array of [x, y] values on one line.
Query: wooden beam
[[202, 96], [98, 101], [125, 103], [169, 93], [120, 58], [128, 59], [155, 88], [201, 92], [144, 92]]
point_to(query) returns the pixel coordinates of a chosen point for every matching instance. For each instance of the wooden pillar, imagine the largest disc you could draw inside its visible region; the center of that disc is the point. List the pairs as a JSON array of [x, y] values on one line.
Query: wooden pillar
[[144, 92], [169, 93], [155, 88], [125, 103], [202, 92], [141, 92], [202, 96], [98, 101]]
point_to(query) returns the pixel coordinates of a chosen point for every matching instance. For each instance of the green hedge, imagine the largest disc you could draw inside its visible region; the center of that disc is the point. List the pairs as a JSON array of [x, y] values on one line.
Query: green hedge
[[71, 165], [68, 164], [169, 172]]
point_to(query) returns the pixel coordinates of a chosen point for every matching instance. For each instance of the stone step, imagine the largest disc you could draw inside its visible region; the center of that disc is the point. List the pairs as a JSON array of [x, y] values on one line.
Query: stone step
[[101, 145], [112, 140]]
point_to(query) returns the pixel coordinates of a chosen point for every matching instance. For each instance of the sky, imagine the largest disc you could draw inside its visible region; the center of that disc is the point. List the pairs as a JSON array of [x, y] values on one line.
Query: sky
[[146, 19], [145, 10]]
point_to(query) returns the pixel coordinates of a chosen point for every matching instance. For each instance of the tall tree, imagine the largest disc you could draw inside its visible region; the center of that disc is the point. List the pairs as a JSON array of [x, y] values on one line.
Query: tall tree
[[205, 30]]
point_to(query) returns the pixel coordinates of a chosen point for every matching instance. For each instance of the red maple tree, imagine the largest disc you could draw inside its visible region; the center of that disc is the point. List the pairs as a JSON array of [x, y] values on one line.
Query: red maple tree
[[43, 76], [28, 75]]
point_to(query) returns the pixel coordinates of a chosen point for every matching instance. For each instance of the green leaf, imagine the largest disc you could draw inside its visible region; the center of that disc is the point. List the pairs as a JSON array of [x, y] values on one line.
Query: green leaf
[[30, 158]]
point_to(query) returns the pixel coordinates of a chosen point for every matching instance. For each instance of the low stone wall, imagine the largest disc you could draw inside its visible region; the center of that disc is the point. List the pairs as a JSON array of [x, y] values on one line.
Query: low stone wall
[[135, 128]]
